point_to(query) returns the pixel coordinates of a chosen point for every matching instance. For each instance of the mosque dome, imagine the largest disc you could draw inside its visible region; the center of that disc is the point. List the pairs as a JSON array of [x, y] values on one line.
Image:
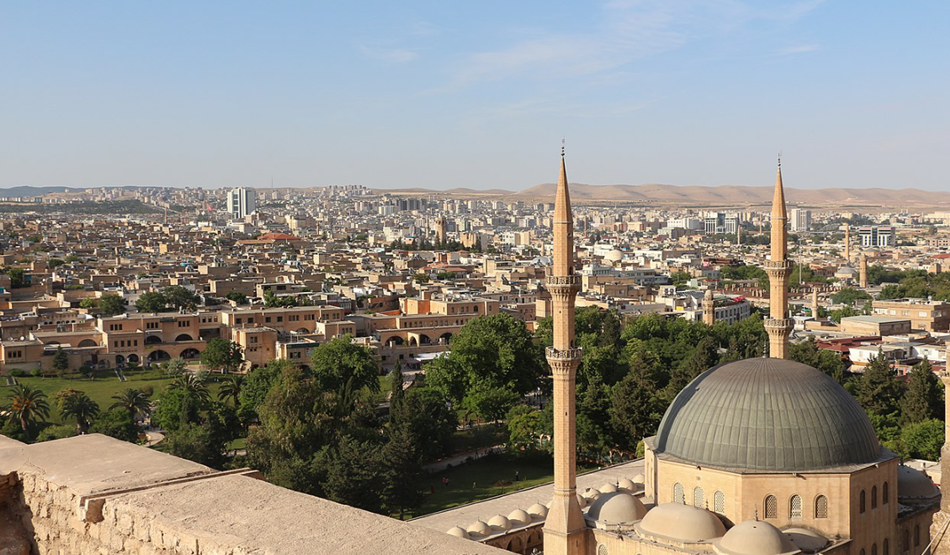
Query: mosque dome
[[627, 485], [592, 494], [639, 479], [607, 488], [458, 532], [913, 486], [519, 517], [538, 511], [682, 523], [767, 414], [613, 255], [616, 509], [805, 539], [500, 522], [479, 529], [754, 537]]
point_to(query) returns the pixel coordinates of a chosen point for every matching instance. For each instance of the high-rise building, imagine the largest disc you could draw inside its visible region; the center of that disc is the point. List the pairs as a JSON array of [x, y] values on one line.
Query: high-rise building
[[720, 222], [241, 202], [876, 236], [801, 219]]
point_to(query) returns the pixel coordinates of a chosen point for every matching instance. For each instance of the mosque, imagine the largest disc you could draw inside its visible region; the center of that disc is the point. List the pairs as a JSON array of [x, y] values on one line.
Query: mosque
[[760, 456]]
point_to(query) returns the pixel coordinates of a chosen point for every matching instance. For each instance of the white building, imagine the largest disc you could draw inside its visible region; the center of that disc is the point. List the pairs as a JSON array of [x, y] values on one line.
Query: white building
[[241, 202], [800, 219], [876, 236]]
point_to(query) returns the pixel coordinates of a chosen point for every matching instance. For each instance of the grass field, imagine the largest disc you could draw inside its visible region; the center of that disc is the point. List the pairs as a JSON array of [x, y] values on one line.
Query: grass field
[[100, 389], [486, 477]]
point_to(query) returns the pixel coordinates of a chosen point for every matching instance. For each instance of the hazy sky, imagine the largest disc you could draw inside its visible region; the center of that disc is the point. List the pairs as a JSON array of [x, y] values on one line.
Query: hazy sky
[[450, 93]]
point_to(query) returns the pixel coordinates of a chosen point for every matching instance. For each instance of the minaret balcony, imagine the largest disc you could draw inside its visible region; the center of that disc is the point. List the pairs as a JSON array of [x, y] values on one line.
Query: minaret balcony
[[571, 280], [559, 355], [777, 265], [773, 325]]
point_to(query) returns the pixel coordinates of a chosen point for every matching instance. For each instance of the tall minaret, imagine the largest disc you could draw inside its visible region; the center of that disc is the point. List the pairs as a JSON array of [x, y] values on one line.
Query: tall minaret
[[709, 308], [863, 271], [564, 528], [847, 244], [778, 325]]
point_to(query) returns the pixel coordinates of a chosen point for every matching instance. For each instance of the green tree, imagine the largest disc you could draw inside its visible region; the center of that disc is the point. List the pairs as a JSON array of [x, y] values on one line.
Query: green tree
[[89, 303], [489, 402], [50, 433], [231, 388], [924, 397], [174, 367], [526, 428], [257, 384], [353, 471], [17, 278], [635, 408], [340, 365], [111, 305], [77, 405], [402, 472], [223, 354], [879, 391], [237, 297], [27, 407], [179, 298], [60, 361], [849, 295], [196, 442], [922, 440], [116, 423], [132, 401], [427, 416], [151, 301]]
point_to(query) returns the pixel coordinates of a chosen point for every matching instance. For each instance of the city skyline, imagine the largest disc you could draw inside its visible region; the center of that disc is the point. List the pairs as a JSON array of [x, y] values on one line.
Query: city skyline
[[435, 96]]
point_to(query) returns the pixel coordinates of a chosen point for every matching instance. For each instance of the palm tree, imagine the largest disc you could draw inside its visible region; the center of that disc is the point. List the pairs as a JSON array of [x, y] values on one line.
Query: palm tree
[[231, 388], [81, 407], [133, 400], [193, 386], [27, 405]]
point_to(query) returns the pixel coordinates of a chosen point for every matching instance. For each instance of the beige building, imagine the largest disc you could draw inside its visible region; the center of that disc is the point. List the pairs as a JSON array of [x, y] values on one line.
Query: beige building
[[932, 316]]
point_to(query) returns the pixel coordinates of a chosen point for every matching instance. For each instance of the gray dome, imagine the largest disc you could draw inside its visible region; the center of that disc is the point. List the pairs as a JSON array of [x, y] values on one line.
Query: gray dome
[[767, 414]]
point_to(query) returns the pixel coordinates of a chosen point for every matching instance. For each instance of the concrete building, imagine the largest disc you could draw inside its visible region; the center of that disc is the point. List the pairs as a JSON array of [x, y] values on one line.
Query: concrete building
[[876, 236], [241, 202], [800, 219], [927, 315]]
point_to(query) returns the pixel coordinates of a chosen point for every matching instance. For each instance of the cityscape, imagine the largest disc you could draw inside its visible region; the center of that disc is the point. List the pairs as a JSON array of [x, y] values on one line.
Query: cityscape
[[407, 352]]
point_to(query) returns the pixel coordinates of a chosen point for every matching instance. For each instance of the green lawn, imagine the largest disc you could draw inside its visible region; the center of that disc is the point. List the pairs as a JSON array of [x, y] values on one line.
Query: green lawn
[[491, 476], [101, 389]]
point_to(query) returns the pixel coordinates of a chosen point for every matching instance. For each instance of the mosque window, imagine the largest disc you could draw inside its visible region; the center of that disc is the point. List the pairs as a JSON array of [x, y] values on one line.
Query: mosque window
[[861, 501], [699, 497], [601, 549], [771, 507], [874, 549], [821, 507], [874, 497], [886, 547], [917, 535], [884, 493], [862, 551], [795, 507], [678, 495], [719, 502], [906, 543]]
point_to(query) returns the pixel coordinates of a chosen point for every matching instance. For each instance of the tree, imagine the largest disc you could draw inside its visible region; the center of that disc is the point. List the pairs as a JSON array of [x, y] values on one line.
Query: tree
[[132, 401], [879, 391], [427, 416], [923, 399], [339, 365], [526, 427], [257, 384], [231, 388], [922, 440], [17, 278], [181, 298], [849, 295], [402, 472], [60, 361], [111, 305], [89, 303], [237, 297], [151, 301], [635, 408], [193, 387], [27, 407], [78, 405], [196, 442], [353, 474], [174, 367], [223, 354], [396, 393], [489, 402], [116, 423]]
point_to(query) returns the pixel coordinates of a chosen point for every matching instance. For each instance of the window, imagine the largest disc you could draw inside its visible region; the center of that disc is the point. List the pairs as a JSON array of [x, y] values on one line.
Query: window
[[886, 547], [905, 545], [771, 507], [678, 495], [821, 507], [874, 549], [719, 502], [861, 501], [699, 497], [874, 498], [884, 494], [862, 551], [917, 535], [795, 507]]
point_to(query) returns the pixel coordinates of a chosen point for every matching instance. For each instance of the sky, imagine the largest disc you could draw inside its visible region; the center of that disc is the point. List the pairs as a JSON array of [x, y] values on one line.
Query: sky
[[444, 93]]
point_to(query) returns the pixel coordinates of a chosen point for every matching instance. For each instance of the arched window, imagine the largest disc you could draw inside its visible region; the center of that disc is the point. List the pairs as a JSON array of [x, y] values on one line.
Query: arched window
[[862, 551], [905, 545], [771, 507], [861, 499], [821, 507], [884, 493], [874, 498], [678, 495], [917, 535], [795, 507], [887, 547], [719, 502], [874, 549], [699, 498]]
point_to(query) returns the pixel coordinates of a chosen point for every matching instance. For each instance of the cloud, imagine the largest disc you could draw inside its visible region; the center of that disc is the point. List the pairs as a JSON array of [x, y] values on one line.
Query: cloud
[[395, 55], [800, 49]]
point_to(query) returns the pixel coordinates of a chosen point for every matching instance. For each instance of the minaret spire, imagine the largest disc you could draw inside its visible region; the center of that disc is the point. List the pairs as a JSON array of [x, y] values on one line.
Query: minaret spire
[[778, 267], [564, 527]]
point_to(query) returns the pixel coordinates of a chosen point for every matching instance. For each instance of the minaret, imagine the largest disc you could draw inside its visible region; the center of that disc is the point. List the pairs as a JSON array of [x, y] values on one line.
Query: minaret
[[814, 303], [847, 244], [709, 308], [564, 527], [778, 267], [863, 271], [945, 451]]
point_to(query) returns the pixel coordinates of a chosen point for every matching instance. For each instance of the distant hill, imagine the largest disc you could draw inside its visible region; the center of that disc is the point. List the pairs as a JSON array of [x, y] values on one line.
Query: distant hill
[[737, 195], [29, 191]]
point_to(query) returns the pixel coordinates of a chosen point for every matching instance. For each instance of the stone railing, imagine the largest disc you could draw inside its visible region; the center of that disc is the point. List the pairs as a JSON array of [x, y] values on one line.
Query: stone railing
[[575, 353], [573, 279], [779, 323], [777, 265]]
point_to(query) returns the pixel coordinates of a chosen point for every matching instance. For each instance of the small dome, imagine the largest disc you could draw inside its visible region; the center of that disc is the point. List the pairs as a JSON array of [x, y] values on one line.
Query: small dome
[[519, 517], [639, 479], [913, 486], [591, 494], [458, 532], [582, 501], [683, 523], [607, 488], [538, 511], [628, 485], [806, 539], [754, 537], [499, 522], [614, 255], [616, 509], [479, 529]]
